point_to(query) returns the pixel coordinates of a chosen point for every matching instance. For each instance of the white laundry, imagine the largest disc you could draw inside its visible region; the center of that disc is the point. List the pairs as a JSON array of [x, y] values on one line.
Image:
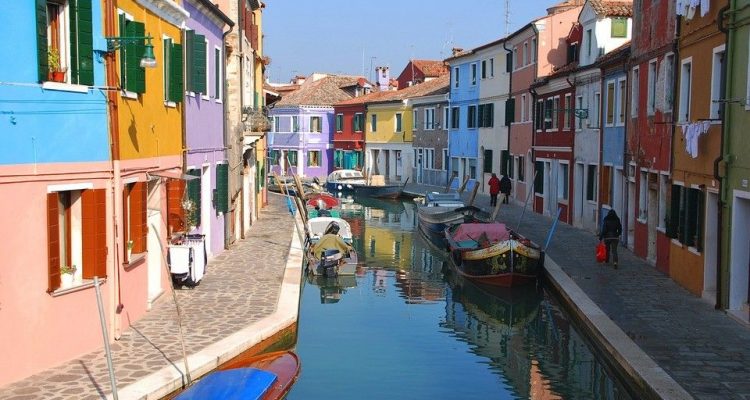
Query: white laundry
[[705, 6], [179, 259]]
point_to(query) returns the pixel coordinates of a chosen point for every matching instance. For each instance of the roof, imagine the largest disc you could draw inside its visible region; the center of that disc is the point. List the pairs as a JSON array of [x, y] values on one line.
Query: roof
[[431, 68], [438, 85], [612, 8], [621, 52], [322, 92]]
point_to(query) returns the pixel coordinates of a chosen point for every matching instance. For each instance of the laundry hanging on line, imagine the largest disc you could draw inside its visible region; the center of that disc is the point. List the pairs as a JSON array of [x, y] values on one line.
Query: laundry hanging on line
[[691, 132]]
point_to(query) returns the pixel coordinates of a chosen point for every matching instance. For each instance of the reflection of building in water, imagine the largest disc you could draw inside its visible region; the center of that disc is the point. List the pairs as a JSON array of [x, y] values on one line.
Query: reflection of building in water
[[511, 328], [423, 282], [381, 281]]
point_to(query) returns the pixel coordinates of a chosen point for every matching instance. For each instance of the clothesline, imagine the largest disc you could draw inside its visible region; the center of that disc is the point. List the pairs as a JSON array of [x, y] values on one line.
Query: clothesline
[[686, 8], [691, 132]]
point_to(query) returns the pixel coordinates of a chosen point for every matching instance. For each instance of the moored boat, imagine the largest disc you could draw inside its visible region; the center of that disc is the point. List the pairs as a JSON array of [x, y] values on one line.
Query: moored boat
[[267, 377], [346, 182], [492, 254], [326, 255], [438, 211]]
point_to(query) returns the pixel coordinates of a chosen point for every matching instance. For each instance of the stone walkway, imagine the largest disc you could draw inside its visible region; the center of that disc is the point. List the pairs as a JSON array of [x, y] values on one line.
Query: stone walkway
[[702, 349], [241, 286]]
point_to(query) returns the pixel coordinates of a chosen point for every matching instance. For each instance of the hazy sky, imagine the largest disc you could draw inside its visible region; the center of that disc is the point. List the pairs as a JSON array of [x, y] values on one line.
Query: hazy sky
[[303, 36]]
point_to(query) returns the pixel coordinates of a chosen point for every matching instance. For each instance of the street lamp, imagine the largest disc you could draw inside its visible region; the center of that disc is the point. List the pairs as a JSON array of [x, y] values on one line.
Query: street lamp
[[147, 60]]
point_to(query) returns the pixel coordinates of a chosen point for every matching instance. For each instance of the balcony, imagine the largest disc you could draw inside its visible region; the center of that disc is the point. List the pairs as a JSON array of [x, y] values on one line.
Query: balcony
[[256, 123]]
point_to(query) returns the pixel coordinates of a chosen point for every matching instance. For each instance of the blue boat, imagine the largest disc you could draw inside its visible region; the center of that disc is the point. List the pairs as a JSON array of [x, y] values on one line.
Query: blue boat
[[438, 211]]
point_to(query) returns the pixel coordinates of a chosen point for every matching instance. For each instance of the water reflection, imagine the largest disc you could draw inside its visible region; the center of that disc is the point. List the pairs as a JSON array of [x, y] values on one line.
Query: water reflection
[[499, 342]]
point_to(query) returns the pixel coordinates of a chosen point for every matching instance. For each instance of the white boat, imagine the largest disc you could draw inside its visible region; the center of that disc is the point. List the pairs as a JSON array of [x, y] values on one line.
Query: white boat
[[345, 182], [333, 262]]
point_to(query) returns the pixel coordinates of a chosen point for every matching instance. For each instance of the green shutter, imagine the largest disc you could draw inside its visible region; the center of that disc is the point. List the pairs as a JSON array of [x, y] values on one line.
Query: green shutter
[[41, 40], [619, 27], [194, 193], [222, 188], [674, 212], [510, 111], [140, 49], [189, 39], [133, 71], [217, 74], [123, 52], [504, 157], [176, 77], [509, 62], [199, 63], [81, 42]]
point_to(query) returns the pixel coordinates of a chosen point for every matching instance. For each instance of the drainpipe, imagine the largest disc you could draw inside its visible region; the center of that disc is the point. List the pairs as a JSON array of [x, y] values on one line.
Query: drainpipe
[[115, 292], [225, 110], [723, 185]]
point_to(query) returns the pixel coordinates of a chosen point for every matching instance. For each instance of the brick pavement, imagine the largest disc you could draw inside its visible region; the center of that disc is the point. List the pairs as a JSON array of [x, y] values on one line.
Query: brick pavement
[[241, 287], [704, 350]]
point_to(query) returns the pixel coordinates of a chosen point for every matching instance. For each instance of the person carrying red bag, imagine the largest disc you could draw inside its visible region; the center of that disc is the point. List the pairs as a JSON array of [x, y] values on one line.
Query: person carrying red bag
[[610, 234]]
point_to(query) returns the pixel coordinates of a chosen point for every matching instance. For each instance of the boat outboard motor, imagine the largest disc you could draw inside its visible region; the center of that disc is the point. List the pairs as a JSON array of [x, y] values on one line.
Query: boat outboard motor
[[329, 262]]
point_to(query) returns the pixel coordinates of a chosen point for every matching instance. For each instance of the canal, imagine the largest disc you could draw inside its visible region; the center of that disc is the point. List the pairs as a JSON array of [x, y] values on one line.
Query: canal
[[405, 327]]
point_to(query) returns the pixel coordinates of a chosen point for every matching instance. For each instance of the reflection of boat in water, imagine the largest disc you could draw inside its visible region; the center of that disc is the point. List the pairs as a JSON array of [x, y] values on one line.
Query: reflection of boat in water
[[332, 287], [387, 205], [267, 376]]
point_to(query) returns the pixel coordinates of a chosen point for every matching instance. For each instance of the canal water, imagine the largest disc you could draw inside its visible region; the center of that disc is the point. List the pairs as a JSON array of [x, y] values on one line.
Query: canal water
[[405, 327]]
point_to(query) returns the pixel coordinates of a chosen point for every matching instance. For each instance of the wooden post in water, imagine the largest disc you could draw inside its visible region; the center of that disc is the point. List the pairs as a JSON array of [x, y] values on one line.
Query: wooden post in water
[[463, 185], [473, 194]]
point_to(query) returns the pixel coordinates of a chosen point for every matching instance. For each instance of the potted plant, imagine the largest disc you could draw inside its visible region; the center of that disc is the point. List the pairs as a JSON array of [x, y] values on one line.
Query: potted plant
[[56, 73], [67, 276], [130, 249]]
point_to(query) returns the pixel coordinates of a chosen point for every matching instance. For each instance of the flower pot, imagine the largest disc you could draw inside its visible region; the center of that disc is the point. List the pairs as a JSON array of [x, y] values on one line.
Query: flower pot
[[66, 281], [129, 253], [57, 76]]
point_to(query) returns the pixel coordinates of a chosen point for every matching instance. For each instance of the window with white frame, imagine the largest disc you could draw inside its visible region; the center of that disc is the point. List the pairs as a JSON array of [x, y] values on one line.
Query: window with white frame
[[555, 112], [579, 104], [455, 117], [295, 123], [374, 122], [172, 72], [484, 69], [414, 119], [313, 158], [474, 73], [455, 77], [595, 110], [621, 96], [521, 169], [539, 115], [218, 75], [358, 122], [568, 109], [339, 122], [523, 107], [207, 50], [635, 85], [686, 76], [398, 126], [276, 124], [717, 82], [588, 44], [533, 50], [471, 121], [669, 82], [525, 53], [562, 182], [445, 159], [651, 98], [316, 125], [492, 67], [610, 101], [429, 119]]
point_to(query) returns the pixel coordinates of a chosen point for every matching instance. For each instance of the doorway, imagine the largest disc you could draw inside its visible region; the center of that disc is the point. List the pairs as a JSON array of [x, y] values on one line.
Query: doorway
[[631, 212], [153, 241], [711, 248], [740, 257], [580, 195], [652, 216], [206, 206]]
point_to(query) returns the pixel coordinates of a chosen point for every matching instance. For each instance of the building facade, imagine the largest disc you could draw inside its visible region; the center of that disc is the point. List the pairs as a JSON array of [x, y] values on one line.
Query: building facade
[[429, 119]]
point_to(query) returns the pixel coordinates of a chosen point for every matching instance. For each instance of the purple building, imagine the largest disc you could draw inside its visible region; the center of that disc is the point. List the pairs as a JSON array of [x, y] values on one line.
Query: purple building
[[303, 123], [204, 120]]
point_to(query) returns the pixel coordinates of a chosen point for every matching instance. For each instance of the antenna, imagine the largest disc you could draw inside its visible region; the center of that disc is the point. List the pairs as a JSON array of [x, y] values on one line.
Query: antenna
[[507, 18]]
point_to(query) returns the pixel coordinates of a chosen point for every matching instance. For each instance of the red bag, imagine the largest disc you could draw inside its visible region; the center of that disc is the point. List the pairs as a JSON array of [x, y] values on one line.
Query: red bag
[[601, 252]]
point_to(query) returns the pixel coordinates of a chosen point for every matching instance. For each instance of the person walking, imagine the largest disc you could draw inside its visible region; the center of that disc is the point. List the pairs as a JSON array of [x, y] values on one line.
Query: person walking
[[505, 187], [610, 233], [494, 183]]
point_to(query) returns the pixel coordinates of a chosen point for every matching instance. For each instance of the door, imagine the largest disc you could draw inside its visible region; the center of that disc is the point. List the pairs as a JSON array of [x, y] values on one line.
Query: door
[[206, 206], [740, 256], [580, 195], [653, 217], [710, 246], [155, 256], [631, 213]]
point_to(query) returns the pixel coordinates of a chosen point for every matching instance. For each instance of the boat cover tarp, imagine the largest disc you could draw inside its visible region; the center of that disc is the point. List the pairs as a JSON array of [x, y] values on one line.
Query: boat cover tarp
[[495, 232], [240, 383], [324, 201]]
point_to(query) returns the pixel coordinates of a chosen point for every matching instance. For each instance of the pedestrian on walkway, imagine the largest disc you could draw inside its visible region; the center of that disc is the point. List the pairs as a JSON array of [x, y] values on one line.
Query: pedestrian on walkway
[[505, 187], [494, 183], [610, 233]]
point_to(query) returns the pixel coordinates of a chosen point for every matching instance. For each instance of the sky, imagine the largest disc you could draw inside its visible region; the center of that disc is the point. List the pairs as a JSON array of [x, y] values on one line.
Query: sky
[[355, 36]]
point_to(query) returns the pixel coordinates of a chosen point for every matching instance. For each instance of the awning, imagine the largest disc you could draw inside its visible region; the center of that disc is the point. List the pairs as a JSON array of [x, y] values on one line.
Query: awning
[[173, 175]]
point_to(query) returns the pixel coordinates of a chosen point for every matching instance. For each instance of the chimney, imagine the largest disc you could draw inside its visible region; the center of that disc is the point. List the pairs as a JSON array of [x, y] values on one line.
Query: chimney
[[456, 50], [383, 78]]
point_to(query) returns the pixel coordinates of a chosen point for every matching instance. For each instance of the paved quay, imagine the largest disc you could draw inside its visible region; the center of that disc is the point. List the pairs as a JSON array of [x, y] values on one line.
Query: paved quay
[[646, 320], [249, 293]]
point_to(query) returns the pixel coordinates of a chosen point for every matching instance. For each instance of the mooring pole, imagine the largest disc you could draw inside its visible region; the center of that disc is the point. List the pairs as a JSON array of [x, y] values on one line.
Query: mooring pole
[[105, 336], [552, 230]]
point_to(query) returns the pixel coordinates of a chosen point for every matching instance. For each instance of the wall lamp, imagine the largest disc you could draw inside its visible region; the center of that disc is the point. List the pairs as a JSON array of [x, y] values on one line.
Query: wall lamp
[[147, 60]]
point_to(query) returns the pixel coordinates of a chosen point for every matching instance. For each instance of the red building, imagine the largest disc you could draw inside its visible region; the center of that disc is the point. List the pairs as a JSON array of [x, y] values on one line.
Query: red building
[[649, 132], [418, 71], [348, 135]]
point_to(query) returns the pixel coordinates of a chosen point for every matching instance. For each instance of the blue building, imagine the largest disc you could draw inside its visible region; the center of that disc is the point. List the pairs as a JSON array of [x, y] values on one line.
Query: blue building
[[463, 129]]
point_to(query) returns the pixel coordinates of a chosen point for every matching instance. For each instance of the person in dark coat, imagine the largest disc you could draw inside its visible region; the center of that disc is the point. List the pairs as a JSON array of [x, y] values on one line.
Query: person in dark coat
[[610, 233], [505, 187], [494, 183]]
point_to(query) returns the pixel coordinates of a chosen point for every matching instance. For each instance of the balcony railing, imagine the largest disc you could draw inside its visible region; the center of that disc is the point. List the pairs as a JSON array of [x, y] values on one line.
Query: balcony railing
[[255, 120]]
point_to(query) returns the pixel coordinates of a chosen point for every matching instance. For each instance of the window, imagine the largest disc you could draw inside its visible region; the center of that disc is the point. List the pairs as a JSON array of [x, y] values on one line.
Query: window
[[471, 121], [484, 69], [222, 188], [195, 46], [445, 159], [591, 182], [273, 157], [539, 177], [579, 104], [606, 185], [172, 67], [358, 121], [635, 85], [717, 83], [594, 115], [525, 53], [65, 45], [455, 117], [686, 218], [567, 112], [70, 242], [515, 58], [374, 122], [685, 90], [549, 109], [414, 119], [338, 159], [132, 75], [669, 82], [487, 166], [523, 108], [295, 123], [473, 168], [398, 123], [556, 112], [276, 124], [643, 197], [619, 27], [588, 44], [455, 77], [446, 117], [206, 93], [533, 50], [339, 122], [218, 75], [315, 124], [486, 115], [610, 121], [292, 157], [562, 182], [492, 67], [474, 74], [521, 169], [313, 158], [651, 87], [429, 119], [538, 120], [621, 102]]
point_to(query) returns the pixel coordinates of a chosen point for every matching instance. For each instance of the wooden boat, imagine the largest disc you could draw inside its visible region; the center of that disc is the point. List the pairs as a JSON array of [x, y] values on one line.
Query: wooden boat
[[345, 182], [330, 263], [492, 254], [323, 200], [267, 376], [438, 211]]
